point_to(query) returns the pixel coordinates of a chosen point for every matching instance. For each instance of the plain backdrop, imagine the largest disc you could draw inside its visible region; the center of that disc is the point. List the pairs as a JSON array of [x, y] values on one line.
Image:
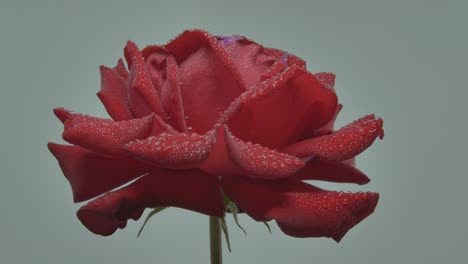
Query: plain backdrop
[[406, 61]]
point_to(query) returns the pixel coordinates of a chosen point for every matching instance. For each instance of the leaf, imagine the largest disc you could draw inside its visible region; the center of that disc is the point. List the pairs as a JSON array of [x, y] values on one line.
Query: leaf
[[234, 210], [151, 214], [226, 233], [268, 226]]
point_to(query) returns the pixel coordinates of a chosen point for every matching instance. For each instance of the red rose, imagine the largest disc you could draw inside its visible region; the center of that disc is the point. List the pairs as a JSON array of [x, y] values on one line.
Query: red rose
[[204, 116]]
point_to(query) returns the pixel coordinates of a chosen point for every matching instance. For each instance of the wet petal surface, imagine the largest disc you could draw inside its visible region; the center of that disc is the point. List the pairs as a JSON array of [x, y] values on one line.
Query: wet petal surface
[[114, 94], [332, 171], [209, 80], [104, 135], [144, 98], [91, 174], [268, 107], [300, 209], [189, 189], [344, 144]]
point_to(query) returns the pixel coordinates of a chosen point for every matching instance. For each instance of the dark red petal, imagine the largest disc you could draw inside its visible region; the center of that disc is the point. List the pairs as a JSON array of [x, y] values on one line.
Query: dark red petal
[[287, 58], [300, 209], [333, 171], [178, 151], [63, 114], [189, 189], [232, 156], [209, 80], [91, 174], [121, 69], [327, 79], [344, 144], [105, 135], [160, 126], [260, 162], [289, 103], [155, 58], [114, 94], [144, 98], [253, 60], [163, 70], [329, 127], [219, 161], [171, 97]]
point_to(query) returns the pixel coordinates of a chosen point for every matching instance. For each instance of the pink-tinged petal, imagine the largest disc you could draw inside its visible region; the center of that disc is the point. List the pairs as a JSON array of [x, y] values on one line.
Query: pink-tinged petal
[[344, 144], [105, 135], [332, 171], [300, 209], [91, 174], [114, 94], [327, 79], [144, 98], [177, 151], [209, 79], [231, 156], [290, 103], [190, 189]]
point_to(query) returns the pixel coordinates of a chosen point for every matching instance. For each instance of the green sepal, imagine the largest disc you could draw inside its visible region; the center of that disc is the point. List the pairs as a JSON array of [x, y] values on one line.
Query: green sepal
[[151, 214], [234, 210], [268, 226], [226, 233]]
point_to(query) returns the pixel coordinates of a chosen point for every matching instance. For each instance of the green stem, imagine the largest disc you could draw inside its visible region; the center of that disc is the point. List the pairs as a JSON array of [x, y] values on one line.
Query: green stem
[[215, 241]]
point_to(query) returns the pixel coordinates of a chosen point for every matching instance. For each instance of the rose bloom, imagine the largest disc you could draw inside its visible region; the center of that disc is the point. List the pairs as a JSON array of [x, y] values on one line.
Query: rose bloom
[[207, 117]]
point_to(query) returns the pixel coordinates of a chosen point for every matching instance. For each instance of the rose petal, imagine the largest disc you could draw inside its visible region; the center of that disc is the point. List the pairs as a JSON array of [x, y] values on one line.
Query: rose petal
[[91, 174], [269, 107], [63, 114], [114, 94], [329, 127], [121, 70], [232, 156], [259, 161], [344, 144], [155, 58], [105, 135], [252, 59], [160, 126], [163, 70], [171, 97], [327, 79], [177, 151], [144, 98], [333, 171], [300, 209], [209, 80], [190, 189]]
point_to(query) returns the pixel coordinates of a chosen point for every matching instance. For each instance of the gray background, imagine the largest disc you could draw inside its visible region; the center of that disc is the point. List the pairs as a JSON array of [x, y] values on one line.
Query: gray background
[[406, 61]]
